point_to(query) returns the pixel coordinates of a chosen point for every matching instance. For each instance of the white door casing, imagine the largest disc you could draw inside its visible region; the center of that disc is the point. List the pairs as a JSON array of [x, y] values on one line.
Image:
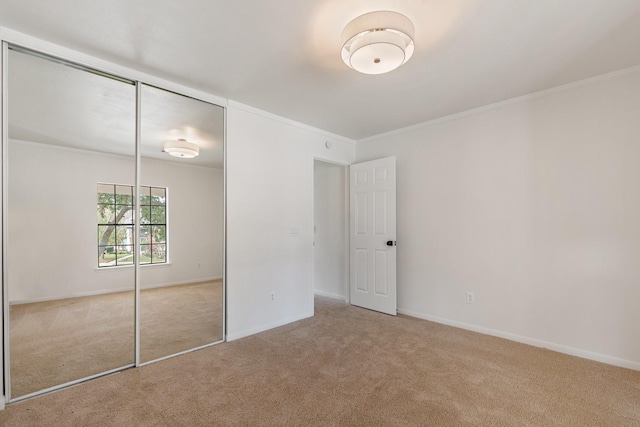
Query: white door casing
[[372, 215]]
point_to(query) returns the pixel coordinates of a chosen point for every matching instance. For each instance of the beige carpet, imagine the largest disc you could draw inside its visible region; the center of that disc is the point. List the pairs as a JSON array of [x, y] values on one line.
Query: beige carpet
[[351, 367], [178, 318], [58, 341]]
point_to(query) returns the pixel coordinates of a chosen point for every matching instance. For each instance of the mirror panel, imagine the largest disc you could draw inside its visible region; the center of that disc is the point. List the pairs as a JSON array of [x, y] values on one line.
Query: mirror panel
[[71, 168], [181, 217]]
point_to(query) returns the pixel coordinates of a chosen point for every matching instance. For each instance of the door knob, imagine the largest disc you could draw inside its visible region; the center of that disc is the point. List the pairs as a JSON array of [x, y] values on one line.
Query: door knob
[[392, 243]]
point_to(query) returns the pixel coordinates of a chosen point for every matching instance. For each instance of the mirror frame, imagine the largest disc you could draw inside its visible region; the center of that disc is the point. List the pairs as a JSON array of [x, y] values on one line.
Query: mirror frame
[[76, 59]]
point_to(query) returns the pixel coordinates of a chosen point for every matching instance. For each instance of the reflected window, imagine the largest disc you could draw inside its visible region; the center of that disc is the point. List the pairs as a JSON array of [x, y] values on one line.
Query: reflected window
[[116, 225]]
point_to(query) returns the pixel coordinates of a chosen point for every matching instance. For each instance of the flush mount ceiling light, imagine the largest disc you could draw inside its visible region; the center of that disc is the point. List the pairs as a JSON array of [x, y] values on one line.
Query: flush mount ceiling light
[[181, 148], [377, 42]]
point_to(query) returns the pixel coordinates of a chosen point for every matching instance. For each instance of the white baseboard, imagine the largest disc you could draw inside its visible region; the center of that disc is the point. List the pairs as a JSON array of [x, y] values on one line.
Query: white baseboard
[[110, 291], [262, 328], [188, 282], [603, 358], [330, 295]]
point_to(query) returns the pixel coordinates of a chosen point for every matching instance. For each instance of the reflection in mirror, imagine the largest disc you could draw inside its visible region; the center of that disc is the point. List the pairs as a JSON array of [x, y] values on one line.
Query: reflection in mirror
[[181, 217], [71, 153]]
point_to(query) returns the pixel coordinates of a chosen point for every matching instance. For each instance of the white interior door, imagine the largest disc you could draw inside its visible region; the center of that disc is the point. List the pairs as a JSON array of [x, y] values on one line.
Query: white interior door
[[373, 235]]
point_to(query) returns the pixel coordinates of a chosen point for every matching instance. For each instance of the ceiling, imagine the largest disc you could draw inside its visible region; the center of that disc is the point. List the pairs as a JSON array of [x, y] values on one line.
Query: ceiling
[[284, 56], [56, 104]]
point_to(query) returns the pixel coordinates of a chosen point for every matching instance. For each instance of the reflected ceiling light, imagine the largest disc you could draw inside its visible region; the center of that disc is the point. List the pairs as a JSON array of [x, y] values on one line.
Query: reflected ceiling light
[[377, 42], [181, 148]]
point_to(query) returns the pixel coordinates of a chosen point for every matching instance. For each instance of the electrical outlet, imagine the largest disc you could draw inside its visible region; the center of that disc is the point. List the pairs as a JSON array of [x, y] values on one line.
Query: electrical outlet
[[272, 297], [471, 298]]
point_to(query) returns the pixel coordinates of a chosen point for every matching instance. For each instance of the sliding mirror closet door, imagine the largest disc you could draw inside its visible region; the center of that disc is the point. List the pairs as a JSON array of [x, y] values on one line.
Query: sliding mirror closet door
[[181, 223], [69, 274]]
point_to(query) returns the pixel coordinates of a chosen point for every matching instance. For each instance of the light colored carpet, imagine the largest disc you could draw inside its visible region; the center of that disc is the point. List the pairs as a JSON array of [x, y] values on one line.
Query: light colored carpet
[[58, 341], [178, 318], [351, 367]]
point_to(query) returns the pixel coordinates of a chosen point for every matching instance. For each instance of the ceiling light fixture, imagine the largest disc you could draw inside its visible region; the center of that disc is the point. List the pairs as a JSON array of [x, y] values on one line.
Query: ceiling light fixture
[[181, 148], [377, 42]]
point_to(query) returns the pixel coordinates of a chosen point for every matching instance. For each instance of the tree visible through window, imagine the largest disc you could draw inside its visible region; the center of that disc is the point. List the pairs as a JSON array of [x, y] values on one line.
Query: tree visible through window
[[116, 225]]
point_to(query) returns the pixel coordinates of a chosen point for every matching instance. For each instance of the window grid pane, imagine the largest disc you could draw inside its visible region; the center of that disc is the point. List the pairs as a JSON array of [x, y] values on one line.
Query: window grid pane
[[158, 253], [124, 255], [105, 214], [158, 234], [158, 196], [116, 225]]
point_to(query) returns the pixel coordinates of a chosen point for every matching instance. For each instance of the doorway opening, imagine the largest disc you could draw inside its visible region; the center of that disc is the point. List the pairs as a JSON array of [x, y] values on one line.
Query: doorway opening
[[331, 230]]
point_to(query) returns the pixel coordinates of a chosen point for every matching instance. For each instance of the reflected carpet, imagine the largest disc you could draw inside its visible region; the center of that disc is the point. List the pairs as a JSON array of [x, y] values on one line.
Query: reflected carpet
[[58, 341]]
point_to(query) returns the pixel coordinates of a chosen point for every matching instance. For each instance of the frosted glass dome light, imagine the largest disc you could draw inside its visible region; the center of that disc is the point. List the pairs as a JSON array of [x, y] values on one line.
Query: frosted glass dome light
[[181, 148], [378, 42]]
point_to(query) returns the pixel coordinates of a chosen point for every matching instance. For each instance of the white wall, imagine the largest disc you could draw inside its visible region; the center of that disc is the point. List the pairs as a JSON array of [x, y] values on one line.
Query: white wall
[[534, 206], [269, 192], [52, 232], [331, 243]]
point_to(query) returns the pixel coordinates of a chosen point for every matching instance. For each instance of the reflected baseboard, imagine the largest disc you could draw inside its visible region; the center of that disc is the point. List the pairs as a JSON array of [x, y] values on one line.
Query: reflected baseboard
[[113, 291], [183, 282]]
